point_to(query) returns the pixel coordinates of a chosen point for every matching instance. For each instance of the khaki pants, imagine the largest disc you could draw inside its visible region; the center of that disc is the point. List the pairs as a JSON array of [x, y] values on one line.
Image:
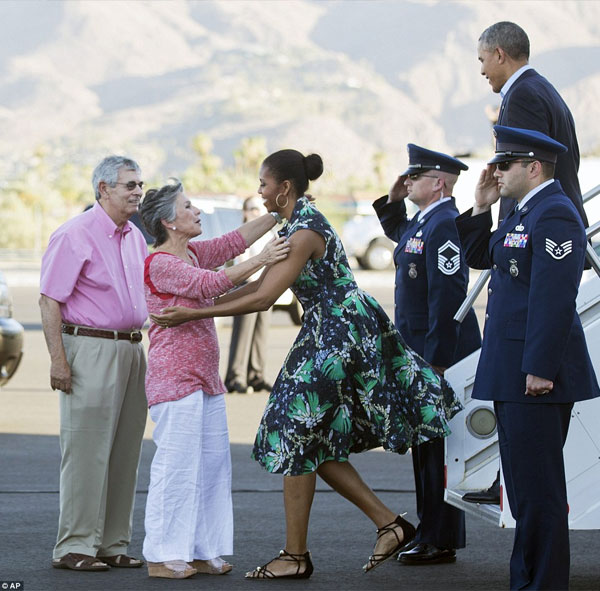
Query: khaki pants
[[102, 425]]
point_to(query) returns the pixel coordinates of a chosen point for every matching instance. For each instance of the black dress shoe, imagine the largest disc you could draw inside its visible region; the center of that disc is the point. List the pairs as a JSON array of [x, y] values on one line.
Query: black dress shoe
[[408, 546], [427, 554], [236, 388], [489, 496], [258, 385]]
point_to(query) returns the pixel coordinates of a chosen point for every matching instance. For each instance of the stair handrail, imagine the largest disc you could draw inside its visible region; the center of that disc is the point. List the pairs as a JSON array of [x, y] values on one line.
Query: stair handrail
[[590, 194], [483, 278]]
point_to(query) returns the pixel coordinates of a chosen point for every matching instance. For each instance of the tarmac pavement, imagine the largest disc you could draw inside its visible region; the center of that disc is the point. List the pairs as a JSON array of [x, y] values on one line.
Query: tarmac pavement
[[341, 537]]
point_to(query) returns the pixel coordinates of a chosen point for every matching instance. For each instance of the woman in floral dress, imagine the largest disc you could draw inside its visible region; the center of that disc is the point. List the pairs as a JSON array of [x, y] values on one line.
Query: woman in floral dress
[[349, 382]]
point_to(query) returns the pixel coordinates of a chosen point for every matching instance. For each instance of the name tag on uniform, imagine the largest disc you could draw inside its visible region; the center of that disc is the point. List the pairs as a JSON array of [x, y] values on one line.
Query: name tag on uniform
[[414, 246], [516, 240]]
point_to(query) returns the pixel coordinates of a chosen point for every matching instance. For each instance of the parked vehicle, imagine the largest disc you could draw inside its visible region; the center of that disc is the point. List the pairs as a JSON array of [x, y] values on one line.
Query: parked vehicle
[[11, 335], [364, 239], [223, 214]]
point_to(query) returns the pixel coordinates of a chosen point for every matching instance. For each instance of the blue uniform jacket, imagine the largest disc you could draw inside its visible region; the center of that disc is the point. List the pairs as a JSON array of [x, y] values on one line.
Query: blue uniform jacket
[[533, 103], [532, 327], [431, 282]]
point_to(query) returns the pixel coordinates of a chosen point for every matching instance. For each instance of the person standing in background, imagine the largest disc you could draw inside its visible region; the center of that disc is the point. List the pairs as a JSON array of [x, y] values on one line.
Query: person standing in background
[[247, 349], [431, 284]]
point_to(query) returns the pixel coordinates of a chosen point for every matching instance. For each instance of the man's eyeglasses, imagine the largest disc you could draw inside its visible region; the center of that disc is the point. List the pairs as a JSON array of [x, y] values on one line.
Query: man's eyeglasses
[[504, 166], [416, 175], [131, 185]]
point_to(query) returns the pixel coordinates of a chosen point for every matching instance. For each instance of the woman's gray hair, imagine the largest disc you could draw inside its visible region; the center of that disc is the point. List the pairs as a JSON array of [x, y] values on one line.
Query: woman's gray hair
[[108, 171], [158, 205]]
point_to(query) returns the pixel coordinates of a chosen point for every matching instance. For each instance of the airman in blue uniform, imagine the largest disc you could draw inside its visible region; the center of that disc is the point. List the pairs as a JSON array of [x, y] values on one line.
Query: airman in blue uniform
[[431, 284], [534, 360]]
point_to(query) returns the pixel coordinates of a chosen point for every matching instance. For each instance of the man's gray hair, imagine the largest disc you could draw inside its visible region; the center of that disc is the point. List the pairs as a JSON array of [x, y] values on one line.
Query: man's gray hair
[[508, 36], [158, 205], [108, 171]]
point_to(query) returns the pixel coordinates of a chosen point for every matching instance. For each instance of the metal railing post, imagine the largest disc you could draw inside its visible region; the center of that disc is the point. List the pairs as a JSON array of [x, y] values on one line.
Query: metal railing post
[[472, 295]]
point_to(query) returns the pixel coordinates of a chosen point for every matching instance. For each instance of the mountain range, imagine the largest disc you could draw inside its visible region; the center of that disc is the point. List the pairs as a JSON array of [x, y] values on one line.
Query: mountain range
[[347, 78]]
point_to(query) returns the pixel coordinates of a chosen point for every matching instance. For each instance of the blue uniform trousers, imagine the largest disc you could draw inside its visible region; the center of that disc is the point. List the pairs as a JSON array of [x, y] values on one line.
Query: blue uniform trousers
[[440, 524], [531, 438]]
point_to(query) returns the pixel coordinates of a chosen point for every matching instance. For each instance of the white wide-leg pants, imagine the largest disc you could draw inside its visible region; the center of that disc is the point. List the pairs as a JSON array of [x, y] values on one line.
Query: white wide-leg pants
[[189, 512]]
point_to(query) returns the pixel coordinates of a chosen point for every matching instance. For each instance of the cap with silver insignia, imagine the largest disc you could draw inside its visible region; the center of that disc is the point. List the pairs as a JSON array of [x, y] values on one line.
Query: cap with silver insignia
[[513, 143], [421, 160]]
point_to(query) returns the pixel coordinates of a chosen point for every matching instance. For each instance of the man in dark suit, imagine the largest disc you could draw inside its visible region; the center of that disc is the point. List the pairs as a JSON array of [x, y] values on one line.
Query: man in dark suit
[[529, 101], [431, 284], [534, 361]]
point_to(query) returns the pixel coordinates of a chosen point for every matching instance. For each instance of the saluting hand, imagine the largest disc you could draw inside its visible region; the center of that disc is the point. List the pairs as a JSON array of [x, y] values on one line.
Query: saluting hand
[[486, 190], [398, 190]]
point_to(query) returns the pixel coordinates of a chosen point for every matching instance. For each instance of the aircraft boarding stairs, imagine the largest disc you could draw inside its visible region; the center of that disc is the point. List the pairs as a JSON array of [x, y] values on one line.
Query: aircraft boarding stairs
[[472, 454]]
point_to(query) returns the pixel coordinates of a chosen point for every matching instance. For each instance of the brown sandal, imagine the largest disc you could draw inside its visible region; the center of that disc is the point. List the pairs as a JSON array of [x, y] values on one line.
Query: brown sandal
[[74, 561], [122, 561], [409, 532]]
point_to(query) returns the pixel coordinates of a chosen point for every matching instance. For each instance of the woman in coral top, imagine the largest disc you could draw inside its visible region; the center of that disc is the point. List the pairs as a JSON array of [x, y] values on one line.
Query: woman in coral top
[[189, 517]]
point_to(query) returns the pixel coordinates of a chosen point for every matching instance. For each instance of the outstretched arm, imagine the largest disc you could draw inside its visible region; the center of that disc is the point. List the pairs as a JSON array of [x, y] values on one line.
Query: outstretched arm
[[276, 250], [241, 291], [254, 229], [304, 244]]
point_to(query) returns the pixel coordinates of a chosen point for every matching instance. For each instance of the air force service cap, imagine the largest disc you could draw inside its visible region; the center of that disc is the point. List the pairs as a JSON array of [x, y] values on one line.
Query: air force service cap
[[421, 160], [513, 143]]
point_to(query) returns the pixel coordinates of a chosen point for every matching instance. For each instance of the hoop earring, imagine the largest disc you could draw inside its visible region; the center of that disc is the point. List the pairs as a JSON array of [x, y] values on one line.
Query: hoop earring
[[287, 200]]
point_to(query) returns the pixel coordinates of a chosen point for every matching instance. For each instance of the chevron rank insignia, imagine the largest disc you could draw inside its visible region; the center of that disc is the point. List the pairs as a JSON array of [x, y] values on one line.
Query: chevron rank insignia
[[558, 251], [448, 258]]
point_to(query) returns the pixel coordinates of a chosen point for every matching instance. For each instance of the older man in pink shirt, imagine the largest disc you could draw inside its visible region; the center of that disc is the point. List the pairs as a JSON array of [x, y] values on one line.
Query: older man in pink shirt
[[93, 307]]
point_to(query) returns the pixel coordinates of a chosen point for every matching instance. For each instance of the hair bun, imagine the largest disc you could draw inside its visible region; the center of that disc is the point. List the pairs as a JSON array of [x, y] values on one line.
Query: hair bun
[[313, 163]]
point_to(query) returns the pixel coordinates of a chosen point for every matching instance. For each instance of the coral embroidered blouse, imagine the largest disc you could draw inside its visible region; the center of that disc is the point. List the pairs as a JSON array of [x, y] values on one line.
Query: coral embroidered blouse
[[184, 359]]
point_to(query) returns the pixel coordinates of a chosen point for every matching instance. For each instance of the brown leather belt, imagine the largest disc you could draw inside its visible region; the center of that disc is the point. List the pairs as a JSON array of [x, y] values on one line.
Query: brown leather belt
[[135, 336]]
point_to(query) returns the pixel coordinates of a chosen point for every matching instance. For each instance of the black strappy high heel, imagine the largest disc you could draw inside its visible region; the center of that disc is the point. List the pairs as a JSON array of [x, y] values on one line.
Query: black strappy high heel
[[409, 532], [262, 572]]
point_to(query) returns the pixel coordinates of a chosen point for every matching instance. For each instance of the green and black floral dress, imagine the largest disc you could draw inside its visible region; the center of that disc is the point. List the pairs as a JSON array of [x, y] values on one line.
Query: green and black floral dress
[[349, 382]]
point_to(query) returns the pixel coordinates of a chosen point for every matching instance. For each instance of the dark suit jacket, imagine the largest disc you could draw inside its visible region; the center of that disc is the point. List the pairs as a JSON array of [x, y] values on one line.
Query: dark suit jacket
[[532, 326], [431, 282], [533, 103]]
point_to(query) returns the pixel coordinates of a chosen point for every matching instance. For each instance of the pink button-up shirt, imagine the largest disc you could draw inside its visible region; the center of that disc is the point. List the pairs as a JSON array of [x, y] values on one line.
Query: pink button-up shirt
[[96, 272]]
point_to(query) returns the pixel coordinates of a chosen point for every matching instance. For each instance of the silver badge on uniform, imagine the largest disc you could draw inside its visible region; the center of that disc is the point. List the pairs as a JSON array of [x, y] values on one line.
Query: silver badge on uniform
[[419, 234], [513, 269], [449, 258], [520, 228], [412, 270]]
